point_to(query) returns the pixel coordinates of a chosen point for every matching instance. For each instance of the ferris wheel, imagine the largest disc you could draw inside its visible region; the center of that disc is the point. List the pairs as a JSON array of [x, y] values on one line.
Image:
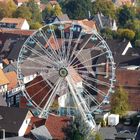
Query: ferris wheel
[[70, 69]]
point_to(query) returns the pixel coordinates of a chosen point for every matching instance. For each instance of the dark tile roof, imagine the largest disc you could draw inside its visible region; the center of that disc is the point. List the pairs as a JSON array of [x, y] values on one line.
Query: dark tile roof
[[12, 118], [13, 55], [9, 68]]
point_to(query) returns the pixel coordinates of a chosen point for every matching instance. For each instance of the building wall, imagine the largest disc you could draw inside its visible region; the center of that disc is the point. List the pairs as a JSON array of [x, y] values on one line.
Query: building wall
[[25, 26], [25, 124]]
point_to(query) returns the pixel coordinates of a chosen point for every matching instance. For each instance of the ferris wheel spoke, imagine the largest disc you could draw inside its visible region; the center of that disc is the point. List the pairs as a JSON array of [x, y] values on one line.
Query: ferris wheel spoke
[[39, 54], [51, 97], [47, 84], [82, 47], [38, 92], [63, 41], [96, 80], [90, 58], [94, 88], [40, 63], [34, 84], [90, 66], [75, 47], [86, 92], [56, 43], [70, 41], [55, 55], [47, 53]]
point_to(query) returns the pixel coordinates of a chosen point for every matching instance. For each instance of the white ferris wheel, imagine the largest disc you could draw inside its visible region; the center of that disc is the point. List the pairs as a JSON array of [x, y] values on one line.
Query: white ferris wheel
[[72, 68]]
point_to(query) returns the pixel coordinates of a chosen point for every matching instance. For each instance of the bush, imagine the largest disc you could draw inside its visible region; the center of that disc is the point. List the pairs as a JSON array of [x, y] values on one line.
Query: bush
[[137, 43], [126, 33], [35, 25]]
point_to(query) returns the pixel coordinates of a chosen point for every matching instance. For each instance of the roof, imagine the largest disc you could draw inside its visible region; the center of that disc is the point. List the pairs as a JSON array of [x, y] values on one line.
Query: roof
[[12, 78], [14, 53], [108, 132], [55, 124], [35, 122], [53, 2], [18, 21], [17, 31], [9, 68], [63, 17], [122, 77], [12, 122], [41, 133], [3, 78]]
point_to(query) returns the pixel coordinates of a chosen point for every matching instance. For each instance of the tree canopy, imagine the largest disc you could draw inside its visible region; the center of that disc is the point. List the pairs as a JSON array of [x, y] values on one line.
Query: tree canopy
[[77, 9], [104, 6], [119, 102]]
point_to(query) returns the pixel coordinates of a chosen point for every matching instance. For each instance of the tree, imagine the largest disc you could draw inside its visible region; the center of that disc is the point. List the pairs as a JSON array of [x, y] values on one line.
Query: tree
[[98, 136], [35, 25], [126, 34], [10, 8], [104, 6], [52, 11], [7, 8], [23, 12], [126, 14], [57, 10], [34, 9], [119, 102], [77, 9]]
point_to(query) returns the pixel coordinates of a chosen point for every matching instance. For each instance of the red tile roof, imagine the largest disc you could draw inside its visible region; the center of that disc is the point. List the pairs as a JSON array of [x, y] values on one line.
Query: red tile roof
[[3, 78], [55, 124], [129, 78], [35, 122], [12, 77], [17, 31]]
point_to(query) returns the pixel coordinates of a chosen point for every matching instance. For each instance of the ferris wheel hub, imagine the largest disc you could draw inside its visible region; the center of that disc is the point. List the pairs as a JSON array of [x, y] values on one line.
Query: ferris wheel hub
[[63, 72]]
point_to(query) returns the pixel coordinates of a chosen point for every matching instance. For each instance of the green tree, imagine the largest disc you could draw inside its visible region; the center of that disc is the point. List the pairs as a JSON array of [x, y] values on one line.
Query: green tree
[[125, 14], [52, 11], [126, 34], [34, 9], [2, 10], [77, 9], [104, 6], [98, 136], [119, 102], [35, 25], [57, 10], [10, 8], [23, 12]]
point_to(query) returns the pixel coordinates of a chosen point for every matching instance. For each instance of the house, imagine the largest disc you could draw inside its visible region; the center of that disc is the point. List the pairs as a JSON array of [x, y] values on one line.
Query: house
[[55, 126], [119, 3], [63, 17], [14, 23], [104, 22], [3, 82], [14, 121], [20, 2]]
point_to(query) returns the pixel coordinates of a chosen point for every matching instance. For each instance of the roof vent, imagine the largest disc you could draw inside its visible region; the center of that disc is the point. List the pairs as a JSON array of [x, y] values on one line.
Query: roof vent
[[1, 117]]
